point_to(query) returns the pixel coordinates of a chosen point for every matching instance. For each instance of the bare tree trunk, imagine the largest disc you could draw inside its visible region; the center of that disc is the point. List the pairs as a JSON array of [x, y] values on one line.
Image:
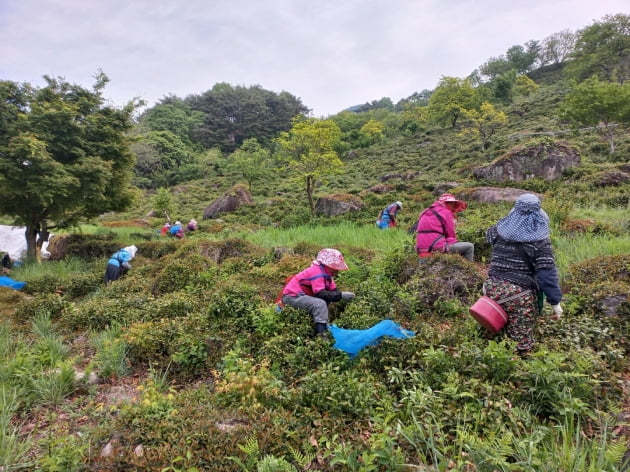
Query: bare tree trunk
[[309, 193], [31, 240]]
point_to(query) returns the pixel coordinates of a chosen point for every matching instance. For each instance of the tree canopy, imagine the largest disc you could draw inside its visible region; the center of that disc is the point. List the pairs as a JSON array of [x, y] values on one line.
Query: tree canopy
[[230, 115], [64, 154]]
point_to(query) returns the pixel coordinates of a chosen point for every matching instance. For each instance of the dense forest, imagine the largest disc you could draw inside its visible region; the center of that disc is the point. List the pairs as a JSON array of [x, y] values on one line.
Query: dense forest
[[185, 363]]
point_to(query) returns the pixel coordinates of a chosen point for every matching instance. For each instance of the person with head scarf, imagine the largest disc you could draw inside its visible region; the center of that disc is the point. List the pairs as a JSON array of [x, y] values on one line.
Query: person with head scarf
[[387, 216], [435, 231], [314, 288], [523, 269], [118, 264]]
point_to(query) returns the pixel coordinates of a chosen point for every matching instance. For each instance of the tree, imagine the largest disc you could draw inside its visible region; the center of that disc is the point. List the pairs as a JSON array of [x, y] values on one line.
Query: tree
[[603, 50], [525, 86], [252, 161], [372, 131], [64, 155], [163, 201], [309, 151], [557, 47], [233, 114], [451, 97], [484, 122], [600, 104]]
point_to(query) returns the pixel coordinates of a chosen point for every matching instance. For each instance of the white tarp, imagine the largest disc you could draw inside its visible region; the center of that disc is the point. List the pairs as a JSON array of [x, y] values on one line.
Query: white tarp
[[13, 241]]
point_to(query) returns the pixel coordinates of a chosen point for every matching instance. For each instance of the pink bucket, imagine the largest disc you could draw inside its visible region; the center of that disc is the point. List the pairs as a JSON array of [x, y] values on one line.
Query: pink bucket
[[489, 314]]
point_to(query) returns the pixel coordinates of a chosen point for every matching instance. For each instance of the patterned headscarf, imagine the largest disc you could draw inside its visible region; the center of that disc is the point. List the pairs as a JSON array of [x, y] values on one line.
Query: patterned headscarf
[[526, 222]]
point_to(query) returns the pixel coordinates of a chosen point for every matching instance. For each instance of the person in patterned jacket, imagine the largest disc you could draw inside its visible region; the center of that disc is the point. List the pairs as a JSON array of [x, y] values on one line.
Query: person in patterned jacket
[[523, 269], [314, 288]]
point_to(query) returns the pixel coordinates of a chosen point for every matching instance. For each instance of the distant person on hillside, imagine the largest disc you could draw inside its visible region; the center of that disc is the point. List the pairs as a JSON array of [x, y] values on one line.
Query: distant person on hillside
[[436, 228], [192, 225], [387, 217], [165, 229], [313, 289], [6, 263], [523, 266], [177, 230], [118, 264]]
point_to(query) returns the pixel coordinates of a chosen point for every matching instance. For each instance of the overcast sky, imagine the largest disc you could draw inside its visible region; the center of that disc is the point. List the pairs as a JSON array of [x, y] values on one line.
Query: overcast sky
[[331, 54]]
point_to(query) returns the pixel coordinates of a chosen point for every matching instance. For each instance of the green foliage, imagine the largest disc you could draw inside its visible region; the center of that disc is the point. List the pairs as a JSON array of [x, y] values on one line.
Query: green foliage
[[309, 152], [599, 104], [601, 48], [110, 358], [65, 158]]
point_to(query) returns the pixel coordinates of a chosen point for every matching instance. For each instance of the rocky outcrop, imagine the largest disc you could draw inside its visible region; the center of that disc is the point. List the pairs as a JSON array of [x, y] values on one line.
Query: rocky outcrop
[[333, 205], [542, 160], [406, 176], [612, 178], [491, 194], [445, 187], [229, 202]]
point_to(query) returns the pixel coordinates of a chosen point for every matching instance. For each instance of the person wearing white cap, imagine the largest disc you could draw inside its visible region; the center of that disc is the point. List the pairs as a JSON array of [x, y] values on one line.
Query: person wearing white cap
[[387, 217], [523, 269], [118, 264]]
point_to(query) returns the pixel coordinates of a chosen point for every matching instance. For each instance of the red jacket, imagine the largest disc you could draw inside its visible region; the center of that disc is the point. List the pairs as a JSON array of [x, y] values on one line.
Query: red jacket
[[310, 281], [436, 229]]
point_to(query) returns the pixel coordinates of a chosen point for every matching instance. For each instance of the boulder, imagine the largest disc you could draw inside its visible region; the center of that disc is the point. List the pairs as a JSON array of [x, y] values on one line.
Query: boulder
[[543, 160], [229, 202], [381, 188], [445, 187], [333, 205], [612, 178], [492, 194], [406, 176]]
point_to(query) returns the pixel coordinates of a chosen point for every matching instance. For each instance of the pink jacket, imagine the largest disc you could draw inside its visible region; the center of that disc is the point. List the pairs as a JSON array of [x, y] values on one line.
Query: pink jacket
[[310, 281], [435, 232]]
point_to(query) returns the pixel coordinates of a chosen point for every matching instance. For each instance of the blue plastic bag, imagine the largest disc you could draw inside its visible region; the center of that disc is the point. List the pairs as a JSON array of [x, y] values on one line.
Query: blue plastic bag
[[9, 282], [353, 340]]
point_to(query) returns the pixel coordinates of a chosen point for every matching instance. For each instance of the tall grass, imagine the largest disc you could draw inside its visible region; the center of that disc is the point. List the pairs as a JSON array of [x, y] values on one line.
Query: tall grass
[[344, 234], [60, 269], [570, 250]]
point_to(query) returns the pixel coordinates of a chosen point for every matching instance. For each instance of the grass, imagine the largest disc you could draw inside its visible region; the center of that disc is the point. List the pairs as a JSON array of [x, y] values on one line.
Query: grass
[[571, 250], [343, 234]]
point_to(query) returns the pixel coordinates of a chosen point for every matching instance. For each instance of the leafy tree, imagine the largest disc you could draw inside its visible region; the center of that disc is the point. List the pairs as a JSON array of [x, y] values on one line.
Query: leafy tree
[[252, 161], [557, 47], [520, 58], [64, 155], [372, 131], [484, 122], [233, 114], [503, 86], [451, 97], [525, 86], [603, 50], [309, 151], [163, 201], [599, 104], [159, 155], [173, 115]]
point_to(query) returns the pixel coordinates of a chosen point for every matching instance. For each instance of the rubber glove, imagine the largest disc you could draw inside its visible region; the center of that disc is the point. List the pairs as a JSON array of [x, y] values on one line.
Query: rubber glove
[[557, 311], [347, 295]]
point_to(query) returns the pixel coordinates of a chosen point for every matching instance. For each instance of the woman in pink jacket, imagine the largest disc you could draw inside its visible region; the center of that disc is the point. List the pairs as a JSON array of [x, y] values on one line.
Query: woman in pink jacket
[[436, 228], [314, 288]]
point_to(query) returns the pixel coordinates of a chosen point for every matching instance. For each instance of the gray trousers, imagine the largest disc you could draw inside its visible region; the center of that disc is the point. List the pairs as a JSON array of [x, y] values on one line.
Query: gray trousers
[[316, 307], [465, 249]]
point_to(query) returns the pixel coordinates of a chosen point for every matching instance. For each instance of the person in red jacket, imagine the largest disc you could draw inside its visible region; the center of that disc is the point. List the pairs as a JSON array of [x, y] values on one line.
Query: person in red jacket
[[436, 228], [313, 289]]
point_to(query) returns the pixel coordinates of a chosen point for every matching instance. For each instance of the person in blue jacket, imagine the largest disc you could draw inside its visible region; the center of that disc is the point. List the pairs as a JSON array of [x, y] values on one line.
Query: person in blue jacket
[[118, 264], [177, 230], [387, 217]]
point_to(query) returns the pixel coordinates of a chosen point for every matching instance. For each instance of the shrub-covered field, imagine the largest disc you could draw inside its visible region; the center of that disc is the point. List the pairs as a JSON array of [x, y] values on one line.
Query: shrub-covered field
[[184, 364]]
